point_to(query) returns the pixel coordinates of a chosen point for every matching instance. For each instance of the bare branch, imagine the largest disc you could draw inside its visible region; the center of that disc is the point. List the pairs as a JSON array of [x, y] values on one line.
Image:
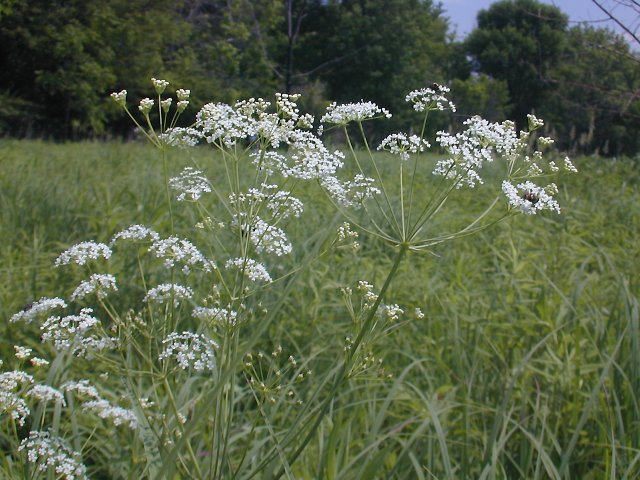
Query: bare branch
[[616, 20]]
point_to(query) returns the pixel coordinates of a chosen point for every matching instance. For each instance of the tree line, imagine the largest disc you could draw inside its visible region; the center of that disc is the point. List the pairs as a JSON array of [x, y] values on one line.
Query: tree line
[[61, 59]]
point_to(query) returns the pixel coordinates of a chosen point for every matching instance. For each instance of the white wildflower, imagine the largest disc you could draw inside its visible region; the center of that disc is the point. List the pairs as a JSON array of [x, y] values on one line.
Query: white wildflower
[[146, 104], [36, 309], [368, 296], [120, 97], [400, 144], [530, 198], [117, 415], [270, 162], [221, 123], [348, 237], [166, 104], [534, 170], [174, 249], [190, 183], [82, 252], [252, 269], [99, 283], [65, 331], [46, 393], [135, 232], [431, 98], [544, 142], [84, 346], [390, 312], [352, 193], [48, 451], [190, 350], [268, 238], [215, 314], [22, 353], [159, 85], [283, 205], [286, 105], [346, 234], [180, 136], [534, 122], [569, 166], [471, 148], [183, 94], [310, 158], [169, 292], [39, 362], [83, 387], [350, 112], [11, 402], [11, 380]]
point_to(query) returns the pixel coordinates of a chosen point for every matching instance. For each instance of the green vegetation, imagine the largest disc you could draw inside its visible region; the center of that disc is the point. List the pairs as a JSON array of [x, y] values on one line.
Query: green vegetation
[[526, 365]]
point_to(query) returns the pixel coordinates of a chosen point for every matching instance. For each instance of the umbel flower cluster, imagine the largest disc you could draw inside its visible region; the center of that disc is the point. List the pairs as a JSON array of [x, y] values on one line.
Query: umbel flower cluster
[[195, 297]]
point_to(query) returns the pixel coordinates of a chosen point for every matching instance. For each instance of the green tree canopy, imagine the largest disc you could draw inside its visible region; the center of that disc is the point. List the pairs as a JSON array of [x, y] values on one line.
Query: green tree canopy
[[596, 104], [387, 51], [519, 41], [65, 57]]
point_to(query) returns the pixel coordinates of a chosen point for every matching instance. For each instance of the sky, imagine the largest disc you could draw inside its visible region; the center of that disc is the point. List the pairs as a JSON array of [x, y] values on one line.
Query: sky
[[463, 13]]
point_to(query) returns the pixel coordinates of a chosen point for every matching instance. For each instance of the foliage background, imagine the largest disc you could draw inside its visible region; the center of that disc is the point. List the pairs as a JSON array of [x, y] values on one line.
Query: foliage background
[[62, 59]]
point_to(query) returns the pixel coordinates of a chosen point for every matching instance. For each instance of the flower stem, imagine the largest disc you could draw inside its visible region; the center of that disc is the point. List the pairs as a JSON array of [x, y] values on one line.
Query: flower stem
[[343, 373]]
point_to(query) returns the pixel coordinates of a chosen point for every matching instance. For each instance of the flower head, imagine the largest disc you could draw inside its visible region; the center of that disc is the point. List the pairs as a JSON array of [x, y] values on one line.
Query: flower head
[[45, 393], [183, 94], [135, 232], [530, 198], [215, 314], [252, 269], [176, 250], [191, 184], [37, 309], [159, 85], [82, 252], [118, 415], [431, 98], [169, 292], [69, 330], [48, 451], [120, 97], [99, 283], [145, 105], [400, 144], [190, 350], [166, 104], [353, 112]]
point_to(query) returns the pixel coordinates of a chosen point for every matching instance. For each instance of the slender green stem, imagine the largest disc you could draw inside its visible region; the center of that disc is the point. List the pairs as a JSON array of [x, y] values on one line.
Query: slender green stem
[[375, 166], [355, 157], [166, 187], [343, 373], [415, 168], [176, 412]]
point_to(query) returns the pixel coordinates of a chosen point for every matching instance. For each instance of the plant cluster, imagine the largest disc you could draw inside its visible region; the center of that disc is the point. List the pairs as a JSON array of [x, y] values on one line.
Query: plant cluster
[[184, 380]]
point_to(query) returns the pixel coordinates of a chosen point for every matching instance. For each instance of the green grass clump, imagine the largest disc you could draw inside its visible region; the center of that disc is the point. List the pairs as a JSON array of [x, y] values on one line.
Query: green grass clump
[[526, 364]]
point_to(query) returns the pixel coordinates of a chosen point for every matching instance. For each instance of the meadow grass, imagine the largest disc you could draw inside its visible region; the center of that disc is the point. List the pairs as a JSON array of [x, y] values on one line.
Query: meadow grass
[[526, 365]]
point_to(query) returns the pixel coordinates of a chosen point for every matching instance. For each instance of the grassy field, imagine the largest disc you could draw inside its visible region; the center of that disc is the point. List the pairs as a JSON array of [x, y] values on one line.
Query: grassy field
[[526, 364]]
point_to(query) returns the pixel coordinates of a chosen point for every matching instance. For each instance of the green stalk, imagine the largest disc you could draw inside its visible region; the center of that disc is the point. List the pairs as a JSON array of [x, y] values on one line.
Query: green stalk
[[375, 166], [166, 186], [176, 411], [348, 363]]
